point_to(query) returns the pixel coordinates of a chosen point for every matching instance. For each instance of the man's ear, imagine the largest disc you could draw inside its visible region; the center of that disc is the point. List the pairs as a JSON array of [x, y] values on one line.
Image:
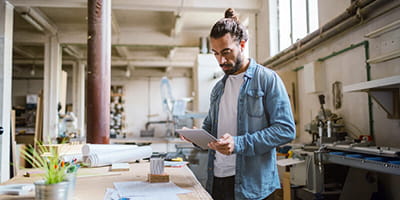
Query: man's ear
[[242, 45]]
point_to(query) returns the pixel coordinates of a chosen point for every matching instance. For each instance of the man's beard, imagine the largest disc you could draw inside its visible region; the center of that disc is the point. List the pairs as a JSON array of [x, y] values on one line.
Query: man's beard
[[233, 68]]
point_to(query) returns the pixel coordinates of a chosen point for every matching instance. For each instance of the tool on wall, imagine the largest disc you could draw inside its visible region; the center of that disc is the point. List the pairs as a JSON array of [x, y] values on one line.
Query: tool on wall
[[337, 94]]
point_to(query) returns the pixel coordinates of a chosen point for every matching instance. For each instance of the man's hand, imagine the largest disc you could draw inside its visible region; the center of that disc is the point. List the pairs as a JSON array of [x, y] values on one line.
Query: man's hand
[[184, 138], [224, 145]]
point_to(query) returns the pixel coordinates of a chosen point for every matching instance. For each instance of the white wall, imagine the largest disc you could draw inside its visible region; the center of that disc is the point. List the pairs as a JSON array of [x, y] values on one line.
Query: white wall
[[22, 87], [349, 68], [33, 85], [330, 9], [139, 104]]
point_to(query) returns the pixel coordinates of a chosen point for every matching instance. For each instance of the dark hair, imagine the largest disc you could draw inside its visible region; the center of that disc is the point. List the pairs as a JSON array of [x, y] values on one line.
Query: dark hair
[[229, 24]]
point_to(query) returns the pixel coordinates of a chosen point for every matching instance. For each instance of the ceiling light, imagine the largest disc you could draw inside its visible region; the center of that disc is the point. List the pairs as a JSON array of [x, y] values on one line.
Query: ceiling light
[[32, 72], [31, 21], [128, 72]]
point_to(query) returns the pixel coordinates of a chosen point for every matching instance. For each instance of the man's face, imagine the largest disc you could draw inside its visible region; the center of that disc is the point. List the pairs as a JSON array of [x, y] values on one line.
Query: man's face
[[228, 53]]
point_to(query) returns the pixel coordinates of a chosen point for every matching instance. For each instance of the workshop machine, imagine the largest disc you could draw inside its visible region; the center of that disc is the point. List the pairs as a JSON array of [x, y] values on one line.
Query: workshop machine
[[339, 167], [176, 109]]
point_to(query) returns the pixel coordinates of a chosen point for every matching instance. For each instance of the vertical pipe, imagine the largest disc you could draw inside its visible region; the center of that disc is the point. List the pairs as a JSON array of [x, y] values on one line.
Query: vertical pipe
[[308, 15], [278, 25], [370, 112], [99, 71]]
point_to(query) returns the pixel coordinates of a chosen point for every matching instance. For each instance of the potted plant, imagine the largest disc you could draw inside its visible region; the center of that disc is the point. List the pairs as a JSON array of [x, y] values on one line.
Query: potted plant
[[59, 176]]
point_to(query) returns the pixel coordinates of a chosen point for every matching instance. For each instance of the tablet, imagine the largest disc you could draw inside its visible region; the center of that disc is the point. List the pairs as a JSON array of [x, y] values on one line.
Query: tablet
[[198, 136]]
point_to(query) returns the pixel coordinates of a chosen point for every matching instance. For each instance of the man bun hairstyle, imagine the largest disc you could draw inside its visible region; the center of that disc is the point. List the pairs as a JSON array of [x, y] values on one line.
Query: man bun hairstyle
[[230, 13], [230, 24]]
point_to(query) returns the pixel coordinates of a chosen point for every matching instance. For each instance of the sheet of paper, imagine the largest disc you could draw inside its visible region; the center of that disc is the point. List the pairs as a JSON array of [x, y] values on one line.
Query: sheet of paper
[[16, 189], [112, 194], [150, 190]]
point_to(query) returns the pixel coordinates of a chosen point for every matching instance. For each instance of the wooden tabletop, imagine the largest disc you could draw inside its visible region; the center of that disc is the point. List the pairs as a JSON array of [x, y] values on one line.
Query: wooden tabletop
[[93, 182]]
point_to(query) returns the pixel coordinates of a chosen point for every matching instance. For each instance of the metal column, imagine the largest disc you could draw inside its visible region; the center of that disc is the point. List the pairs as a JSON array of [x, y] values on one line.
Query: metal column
[[99, 71]]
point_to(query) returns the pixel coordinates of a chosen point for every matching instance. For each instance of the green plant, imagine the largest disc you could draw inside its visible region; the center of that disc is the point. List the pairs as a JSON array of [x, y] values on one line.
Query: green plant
[[55, 170]]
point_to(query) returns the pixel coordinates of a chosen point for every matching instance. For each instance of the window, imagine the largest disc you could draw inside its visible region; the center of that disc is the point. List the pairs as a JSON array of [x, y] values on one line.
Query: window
[[291, 20]]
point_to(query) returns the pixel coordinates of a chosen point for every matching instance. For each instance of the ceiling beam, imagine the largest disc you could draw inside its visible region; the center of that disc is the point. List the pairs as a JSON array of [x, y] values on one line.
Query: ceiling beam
[[114, 24], [122, 51], [154, 5], [73, 51], [133, 38], [23, 52], [23, 37], [115, 63]]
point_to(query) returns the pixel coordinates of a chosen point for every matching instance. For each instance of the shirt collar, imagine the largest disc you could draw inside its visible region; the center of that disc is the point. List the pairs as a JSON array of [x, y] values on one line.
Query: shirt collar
[[249, 72], [251, 69]]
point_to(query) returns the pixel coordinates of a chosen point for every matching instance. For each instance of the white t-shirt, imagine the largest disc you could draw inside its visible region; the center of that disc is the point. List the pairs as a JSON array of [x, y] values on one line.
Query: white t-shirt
[[224, 166]]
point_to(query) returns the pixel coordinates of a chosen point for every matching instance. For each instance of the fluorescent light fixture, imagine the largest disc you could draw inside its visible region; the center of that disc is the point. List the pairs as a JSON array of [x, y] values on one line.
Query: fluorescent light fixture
[[30, 20], [69, 51]]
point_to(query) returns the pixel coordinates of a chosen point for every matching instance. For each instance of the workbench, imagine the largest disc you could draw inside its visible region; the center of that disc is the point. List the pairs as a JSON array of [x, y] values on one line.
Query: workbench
[[92, 182]]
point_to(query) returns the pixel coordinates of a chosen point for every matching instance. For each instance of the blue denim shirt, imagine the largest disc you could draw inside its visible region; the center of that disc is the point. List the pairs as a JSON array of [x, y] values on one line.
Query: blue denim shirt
[[264, 122]]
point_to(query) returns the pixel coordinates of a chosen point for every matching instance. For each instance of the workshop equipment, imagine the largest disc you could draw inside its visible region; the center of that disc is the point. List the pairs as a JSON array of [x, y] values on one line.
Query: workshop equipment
[[327, 127]]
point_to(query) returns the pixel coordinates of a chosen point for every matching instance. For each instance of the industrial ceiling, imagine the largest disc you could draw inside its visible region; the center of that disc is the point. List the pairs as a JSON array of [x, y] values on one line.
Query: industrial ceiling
[[145, 34]]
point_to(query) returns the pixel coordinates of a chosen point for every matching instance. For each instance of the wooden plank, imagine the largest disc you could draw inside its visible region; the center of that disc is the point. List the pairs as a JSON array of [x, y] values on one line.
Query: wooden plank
[[14, 145], [39, 120], [286, 186]]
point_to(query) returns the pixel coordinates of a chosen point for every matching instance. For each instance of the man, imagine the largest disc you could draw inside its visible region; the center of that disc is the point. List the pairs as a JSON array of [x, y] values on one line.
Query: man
[[250, 113]]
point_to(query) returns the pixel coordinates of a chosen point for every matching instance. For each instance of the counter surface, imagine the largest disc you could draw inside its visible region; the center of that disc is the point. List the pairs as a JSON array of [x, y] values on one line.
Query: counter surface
[[92, 182]]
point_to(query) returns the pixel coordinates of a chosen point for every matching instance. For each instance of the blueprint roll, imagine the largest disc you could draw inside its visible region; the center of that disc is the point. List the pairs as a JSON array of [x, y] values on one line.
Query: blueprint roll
[[88, 149], [96, 159], [156, 166]]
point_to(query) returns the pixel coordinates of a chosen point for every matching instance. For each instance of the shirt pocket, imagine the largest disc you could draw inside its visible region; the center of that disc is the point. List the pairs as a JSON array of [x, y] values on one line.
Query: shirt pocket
[[255, 105]]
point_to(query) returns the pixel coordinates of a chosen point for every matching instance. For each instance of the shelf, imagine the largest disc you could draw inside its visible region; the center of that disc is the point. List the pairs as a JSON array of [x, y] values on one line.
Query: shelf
[[384, 91], [392, 26], [117, 112], [383, 58], [389, 82]]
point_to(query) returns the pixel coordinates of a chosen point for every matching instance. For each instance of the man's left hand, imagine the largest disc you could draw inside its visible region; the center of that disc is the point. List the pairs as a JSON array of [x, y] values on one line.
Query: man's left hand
[[224, 145]]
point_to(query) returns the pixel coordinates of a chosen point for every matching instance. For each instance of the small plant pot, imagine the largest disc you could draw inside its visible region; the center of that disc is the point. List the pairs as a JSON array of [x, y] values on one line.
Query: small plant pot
[[57, 191], [71, 178]]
